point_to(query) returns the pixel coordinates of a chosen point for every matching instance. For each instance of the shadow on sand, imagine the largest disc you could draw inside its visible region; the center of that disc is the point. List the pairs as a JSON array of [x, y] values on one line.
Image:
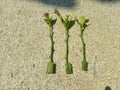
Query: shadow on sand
[[60, 3], [107, 88], [108, 1]]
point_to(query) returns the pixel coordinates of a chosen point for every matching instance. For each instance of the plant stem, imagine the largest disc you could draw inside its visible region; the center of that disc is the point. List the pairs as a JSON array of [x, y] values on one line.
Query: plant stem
[[67, 47], [83, 45], [52, 42]]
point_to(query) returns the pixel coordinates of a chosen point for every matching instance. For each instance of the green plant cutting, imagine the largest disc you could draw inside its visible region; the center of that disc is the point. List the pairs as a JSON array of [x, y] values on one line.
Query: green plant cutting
[[83, 24], [51, 68], [67, 25]]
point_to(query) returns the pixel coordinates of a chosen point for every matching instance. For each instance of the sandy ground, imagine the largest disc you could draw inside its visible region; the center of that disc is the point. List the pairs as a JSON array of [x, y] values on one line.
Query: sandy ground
[[25, 46]]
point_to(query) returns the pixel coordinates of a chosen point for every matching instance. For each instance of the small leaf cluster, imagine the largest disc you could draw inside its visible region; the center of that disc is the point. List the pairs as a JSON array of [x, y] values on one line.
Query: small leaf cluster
[[65, 21], [48, 19], [82, 22]]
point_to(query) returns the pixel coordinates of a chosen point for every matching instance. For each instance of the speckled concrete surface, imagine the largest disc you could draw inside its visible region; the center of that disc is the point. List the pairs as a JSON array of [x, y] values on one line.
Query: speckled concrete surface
[[25, 46]]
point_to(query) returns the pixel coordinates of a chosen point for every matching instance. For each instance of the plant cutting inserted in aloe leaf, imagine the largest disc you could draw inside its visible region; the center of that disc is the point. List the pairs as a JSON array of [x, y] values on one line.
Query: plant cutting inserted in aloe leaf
[[67, 24], [83, 24], [51, 68]]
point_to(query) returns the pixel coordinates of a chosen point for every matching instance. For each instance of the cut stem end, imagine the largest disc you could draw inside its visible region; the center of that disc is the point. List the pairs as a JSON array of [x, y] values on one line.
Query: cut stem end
[[51, 68], [84, 66], [69, 68]]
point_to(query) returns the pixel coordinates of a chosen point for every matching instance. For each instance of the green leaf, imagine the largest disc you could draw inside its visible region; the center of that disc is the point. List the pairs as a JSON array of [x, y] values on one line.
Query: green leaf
[[59, 15], [57, 12], [47, 20], [84, 20], [67, 22], [46, 15], [75, 18]]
